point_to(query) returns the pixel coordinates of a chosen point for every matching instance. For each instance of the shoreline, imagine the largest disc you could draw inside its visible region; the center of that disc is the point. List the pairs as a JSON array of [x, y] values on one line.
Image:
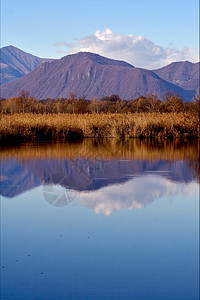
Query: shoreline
[[68, 127]]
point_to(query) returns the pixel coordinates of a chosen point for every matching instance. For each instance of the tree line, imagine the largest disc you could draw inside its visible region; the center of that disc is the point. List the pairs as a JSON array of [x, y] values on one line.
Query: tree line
[[108, 104]]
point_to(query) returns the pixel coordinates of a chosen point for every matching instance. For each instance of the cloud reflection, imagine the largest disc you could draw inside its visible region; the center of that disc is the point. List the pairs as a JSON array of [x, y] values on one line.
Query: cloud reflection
[[136, 193]]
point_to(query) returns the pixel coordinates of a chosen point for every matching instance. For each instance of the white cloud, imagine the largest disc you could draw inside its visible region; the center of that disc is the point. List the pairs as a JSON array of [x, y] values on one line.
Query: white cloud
[[68, 45], [136, 50]]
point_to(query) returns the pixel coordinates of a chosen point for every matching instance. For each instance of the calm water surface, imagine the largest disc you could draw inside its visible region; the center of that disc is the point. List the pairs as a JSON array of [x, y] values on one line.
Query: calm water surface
[[100, 220]]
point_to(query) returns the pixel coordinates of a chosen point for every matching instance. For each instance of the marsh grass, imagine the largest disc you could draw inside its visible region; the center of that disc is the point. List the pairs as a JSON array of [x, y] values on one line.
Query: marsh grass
[[52, 127]]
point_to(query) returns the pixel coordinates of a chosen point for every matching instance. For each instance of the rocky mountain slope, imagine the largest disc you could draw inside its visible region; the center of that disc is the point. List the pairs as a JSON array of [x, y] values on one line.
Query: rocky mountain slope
[[16, 63], [184, 74]]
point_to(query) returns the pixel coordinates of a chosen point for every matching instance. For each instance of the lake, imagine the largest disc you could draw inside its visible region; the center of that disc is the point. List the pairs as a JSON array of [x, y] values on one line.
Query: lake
[[100, 219]]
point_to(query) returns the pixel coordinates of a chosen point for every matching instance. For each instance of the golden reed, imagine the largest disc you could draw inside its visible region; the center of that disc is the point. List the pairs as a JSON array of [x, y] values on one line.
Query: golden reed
[[33, 127]]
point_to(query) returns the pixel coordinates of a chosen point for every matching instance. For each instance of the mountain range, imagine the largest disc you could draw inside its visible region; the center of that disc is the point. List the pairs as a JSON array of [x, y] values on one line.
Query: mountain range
[[92, 75]]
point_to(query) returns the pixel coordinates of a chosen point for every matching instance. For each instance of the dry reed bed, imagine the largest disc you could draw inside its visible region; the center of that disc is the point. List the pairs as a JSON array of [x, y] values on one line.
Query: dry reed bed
[[31, 127]]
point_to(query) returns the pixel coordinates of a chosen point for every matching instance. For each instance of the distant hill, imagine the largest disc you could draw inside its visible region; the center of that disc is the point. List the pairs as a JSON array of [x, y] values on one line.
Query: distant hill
[[16, 63], [91, 75], [184, 74]]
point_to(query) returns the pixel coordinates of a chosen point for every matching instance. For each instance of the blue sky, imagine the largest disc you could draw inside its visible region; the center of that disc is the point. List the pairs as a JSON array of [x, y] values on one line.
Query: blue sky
[[159, 30]]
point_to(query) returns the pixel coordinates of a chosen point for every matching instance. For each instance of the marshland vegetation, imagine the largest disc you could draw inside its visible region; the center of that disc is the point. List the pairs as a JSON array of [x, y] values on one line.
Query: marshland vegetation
[[33, 127], [26, 119]]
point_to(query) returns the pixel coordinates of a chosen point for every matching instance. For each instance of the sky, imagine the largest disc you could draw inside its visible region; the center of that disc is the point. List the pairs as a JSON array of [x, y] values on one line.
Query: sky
[[145, 33]]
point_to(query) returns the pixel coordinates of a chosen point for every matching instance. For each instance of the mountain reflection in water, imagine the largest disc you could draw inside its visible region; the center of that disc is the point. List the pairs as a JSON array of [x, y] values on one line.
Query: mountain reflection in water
[[105, 175]]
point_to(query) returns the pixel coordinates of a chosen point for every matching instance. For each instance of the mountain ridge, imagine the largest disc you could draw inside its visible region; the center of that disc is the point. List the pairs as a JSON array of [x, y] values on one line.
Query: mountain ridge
[[92, 75], [16, 63], [183, 73]]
